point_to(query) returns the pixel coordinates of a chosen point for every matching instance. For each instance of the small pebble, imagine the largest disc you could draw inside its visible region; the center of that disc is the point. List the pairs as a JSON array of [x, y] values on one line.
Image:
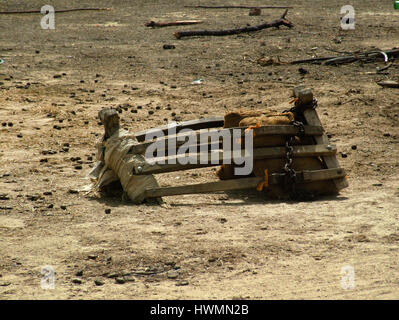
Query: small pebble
[[120, 280], [172, 274], [98, 282], [168, 46]]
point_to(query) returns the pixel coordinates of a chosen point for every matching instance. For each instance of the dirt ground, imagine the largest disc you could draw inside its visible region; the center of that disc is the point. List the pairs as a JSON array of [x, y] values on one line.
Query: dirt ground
[[224, 246]]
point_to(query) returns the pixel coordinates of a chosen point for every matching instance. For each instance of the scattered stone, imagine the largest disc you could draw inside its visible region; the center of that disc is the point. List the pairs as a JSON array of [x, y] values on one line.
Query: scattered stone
[[77, 281], [120, 280], [73, 191], [387, 134], [303, 71], [129, 279], [354, 147], [344, 155], [78, 167], [45, 152], [47, 193], [92, 256], [63, 207], [255, 12], [172, 274], [79, 273], [169, 46], [5, 284], [56, 76], [182, 283], [33, 197], [222, 220], [98, 282], [4, 196], [107, 211], [113, 275]]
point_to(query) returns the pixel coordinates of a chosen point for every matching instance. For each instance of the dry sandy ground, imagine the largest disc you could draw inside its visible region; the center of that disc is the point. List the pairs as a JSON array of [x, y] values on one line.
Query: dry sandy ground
[[224, 246]]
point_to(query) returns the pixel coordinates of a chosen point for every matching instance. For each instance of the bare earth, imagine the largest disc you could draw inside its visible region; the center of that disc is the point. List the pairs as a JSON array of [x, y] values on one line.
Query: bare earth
[[225, 246]]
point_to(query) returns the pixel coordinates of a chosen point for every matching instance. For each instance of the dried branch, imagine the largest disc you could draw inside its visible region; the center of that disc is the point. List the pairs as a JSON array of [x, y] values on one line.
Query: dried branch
[[277, 23], [239, 7], [365, 57], [155, 24], [56, 11]]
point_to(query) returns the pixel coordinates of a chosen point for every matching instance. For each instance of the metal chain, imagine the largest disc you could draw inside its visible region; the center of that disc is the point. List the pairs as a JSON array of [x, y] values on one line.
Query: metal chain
[[291, 178]]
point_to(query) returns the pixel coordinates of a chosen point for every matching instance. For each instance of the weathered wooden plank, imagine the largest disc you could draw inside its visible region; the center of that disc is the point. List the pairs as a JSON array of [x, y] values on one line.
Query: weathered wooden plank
[[325, 174], [197, 124], [330, 161], [225, 185], [110, 119], [309, 175], [241, 184], [217, 157]]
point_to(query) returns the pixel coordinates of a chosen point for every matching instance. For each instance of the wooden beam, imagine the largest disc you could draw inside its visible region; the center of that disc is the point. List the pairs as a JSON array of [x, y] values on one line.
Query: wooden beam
[[226, 185], [241, 184], [325, 174], [110, 119], [197, 124], [330, 161]]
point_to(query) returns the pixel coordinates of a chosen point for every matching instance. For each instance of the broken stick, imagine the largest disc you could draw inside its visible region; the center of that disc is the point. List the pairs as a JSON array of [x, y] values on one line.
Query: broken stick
[[364, 56], [56, 11], [239, 7], [277, 23], [155, 24]]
